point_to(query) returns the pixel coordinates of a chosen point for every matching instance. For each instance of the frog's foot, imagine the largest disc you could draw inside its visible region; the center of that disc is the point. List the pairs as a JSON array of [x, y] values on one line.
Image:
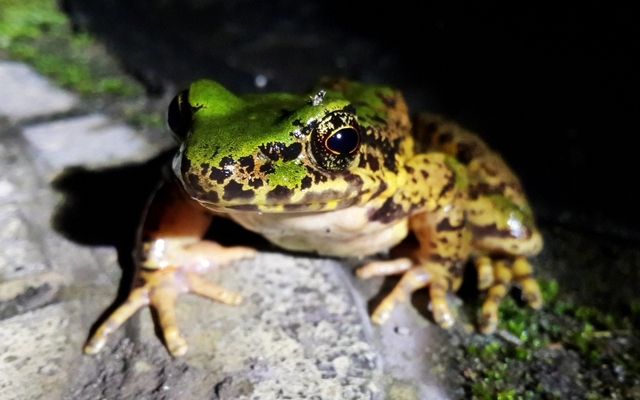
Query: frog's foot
[[160, 287], [503, 274], [415, 277]]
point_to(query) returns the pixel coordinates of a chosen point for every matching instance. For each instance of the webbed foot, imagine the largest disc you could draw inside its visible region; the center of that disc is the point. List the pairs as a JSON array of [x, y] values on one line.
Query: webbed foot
[[159, 287]]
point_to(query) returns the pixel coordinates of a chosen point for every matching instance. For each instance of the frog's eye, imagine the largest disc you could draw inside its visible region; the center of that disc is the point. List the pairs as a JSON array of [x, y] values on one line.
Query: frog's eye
[[335, 141], [343, 141], [179, 115]]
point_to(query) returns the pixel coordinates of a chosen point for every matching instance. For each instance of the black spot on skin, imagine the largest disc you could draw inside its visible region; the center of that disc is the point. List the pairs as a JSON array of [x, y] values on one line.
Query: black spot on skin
[[255, 182], [219, 175], [298, 123], [389, 212], [465, 153], [317, 175], [445, 225], [233, 190], [226, 161], [374, 165], [409, 169], [247, 162], [354, 180], [443, 138], [267, 168], [291, 152], [306, 183], [205, 169], [424, 173], [449, 185], [194, 183], [383, 186], [279, 193], [484, 189], [272, 150], [350, 108]]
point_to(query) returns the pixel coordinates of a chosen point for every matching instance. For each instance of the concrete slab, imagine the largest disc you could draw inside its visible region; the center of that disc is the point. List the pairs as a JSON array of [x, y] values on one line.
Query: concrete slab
[[27, 94]]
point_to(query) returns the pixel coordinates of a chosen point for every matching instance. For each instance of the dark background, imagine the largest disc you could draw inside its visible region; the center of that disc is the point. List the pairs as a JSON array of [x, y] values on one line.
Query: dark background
[[553, 91]]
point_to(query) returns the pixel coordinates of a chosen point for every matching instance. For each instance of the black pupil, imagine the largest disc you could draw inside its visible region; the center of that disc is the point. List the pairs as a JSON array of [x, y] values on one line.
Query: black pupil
[[344, 141]]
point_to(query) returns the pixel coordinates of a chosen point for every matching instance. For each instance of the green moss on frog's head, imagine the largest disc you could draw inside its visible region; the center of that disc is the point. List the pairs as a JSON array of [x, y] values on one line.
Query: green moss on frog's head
[[268, 152]]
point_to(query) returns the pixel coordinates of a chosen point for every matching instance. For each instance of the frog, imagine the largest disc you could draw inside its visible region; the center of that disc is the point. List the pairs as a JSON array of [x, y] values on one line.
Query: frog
[[342, 171]]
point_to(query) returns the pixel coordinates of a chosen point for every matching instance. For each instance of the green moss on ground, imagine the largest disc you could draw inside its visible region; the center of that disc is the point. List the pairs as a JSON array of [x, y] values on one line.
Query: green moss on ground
[[563, 349], [36, 32]]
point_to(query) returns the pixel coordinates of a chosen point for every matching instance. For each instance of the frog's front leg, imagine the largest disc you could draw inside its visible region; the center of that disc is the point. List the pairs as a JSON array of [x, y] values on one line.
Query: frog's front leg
[[444, 239], [173, 256]]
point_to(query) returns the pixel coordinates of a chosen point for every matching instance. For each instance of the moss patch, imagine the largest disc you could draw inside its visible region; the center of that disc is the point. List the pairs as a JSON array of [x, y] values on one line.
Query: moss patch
[[36, 32], [563, 349]]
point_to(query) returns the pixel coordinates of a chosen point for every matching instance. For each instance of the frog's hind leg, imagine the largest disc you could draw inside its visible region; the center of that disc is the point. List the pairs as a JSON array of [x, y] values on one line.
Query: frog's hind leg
[[442, 234], [174, 256]]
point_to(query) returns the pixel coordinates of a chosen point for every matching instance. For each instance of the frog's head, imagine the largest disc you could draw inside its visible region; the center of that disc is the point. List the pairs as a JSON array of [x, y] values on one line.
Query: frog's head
[[270, 152]]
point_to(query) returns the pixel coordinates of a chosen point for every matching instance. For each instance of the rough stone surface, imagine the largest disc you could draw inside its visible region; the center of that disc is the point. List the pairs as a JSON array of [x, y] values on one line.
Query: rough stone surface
[[92, 140], [38, 353], [27, 94]]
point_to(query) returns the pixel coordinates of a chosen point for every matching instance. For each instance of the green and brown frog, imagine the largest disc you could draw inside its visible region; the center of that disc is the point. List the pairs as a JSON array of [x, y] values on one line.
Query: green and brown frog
[[341, 172]]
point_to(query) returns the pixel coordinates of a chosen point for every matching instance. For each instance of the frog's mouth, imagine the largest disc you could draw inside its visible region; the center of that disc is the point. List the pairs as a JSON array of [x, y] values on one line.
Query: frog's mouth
[[229, 190]]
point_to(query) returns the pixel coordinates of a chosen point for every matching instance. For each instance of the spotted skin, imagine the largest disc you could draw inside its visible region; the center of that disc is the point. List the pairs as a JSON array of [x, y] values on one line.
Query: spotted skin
[[341, 171]]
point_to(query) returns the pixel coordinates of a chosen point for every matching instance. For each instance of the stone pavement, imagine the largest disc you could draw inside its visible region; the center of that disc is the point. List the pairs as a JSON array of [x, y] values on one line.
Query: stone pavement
[[302, 331]]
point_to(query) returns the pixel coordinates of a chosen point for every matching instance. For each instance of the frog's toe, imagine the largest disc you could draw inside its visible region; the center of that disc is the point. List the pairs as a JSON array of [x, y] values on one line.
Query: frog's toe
[[502, 277], [522, 274], [488, 321], [384, 268], [163, 302], [484, 268], [203, 288], [439, 307], [412, 280], [137, 299]]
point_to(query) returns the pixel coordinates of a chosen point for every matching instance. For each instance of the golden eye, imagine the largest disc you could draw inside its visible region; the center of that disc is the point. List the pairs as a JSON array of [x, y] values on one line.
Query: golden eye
[[335, 140], [343, 141]]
